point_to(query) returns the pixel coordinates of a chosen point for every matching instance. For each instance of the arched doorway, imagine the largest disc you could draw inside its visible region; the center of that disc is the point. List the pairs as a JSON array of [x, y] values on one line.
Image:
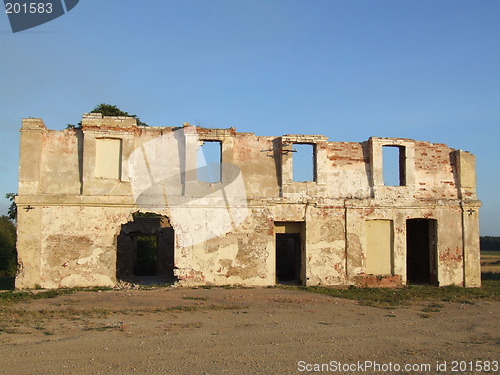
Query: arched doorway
[[145, 249]]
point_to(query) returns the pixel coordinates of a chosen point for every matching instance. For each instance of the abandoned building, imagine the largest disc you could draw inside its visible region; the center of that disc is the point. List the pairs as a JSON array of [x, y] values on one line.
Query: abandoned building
[[112, 201]]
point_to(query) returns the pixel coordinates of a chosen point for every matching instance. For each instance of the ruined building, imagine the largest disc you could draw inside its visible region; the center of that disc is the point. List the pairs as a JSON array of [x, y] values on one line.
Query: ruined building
[[112, 200]]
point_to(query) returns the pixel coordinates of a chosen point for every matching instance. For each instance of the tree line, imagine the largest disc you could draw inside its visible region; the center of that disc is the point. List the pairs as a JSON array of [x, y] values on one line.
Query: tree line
[[489, 243], [8, 238]]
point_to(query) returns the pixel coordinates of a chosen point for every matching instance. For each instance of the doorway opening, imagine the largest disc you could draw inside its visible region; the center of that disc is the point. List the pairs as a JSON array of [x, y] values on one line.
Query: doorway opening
[[145, 250], [288, 259], [421, 240], [290, 249], [290, 240]]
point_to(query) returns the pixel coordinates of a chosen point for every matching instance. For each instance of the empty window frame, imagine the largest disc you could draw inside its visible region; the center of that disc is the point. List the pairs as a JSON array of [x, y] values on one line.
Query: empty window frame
[[208, 163], [394, 165], [108, 158], [304, 162]]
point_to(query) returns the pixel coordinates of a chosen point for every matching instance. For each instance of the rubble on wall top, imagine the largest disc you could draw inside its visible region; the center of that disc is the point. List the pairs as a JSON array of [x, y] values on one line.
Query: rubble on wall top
[[98, 120], [33, 123], [298, 138]]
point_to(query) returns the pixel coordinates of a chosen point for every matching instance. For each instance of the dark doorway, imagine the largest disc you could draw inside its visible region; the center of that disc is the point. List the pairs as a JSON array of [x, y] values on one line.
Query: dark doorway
[[288, 258], [421, 251], [145, 255], [145, 248]]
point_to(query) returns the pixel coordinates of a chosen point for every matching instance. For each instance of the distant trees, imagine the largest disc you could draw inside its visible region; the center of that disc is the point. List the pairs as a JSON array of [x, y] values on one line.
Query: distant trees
[[8, 253], [12, 213], [8, 237], [489, 243]]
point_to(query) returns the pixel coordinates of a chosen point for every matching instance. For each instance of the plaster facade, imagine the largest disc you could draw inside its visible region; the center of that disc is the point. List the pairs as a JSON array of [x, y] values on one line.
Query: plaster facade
[[80, 219]]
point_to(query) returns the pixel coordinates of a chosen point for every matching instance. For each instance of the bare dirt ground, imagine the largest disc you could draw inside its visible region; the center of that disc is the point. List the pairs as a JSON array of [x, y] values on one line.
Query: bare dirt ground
[[239, 331]]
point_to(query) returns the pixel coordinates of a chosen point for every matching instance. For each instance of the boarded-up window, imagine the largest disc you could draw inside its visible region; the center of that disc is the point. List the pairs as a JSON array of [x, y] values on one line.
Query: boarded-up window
[[108, 158], [379, 240]]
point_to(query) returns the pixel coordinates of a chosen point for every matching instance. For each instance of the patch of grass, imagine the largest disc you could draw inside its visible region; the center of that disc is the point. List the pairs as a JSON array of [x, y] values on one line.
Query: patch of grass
[[234, 286], [100, 328], [385, 297], [14, 296], [195, 298], [154, 286], [96, 289], [472, 342], [178, 308], [283, 299], [225, 307], [120, 326], [13, 318], [40, 327], [10, 330], [433, 307], [425, 316], [184, 325], [19, 296]]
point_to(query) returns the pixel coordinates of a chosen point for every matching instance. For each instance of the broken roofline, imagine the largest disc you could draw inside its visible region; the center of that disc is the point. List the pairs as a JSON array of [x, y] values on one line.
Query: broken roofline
[[117, 123]]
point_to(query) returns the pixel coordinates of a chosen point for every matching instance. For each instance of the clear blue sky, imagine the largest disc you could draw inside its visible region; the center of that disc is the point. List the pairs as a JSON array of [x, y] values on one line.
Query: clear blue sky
[[421, 69]]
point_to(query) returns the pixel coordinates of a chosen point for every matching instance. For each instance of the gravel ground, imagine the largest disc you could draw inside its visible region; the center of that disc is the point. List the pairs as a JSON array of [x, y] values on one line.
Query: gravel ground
[[241, 331]]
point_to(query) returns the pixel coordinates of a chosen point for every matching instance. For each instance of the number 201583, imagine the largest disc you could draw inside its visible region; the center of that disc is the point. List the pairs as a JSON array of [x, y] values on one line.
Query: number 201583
[[461, 366], [16, 8]]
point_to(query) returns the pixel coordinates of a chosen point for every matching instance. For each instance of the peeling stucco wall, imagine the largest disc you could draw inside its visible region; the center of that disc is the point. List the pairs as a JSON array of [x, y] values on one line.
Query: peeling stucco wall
[[70, 213]]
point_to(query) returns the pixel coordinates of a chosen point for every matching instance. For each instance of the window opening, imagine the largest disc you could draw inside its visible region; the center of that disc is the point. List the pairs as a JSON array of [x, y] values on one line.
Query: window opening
[[209, 161], [303, 162], [394, 165]]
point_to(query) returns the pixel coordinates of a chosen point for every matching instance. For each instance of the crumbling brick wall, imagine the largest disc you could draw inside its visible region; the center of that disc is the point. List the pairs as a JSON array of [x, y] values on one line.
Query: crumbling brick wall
[[77, 191]]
